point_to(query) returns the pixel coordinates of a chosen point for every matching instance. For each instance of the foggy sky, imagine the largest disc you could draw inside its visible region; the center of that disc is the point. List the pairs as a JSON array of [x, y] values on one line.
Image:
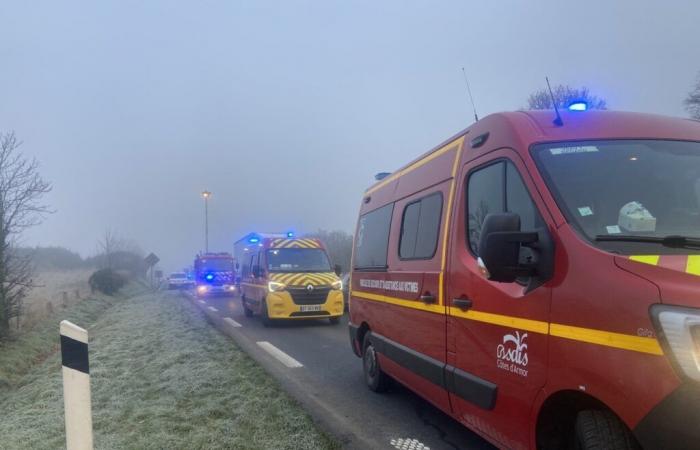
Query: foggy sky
[[285, 110]]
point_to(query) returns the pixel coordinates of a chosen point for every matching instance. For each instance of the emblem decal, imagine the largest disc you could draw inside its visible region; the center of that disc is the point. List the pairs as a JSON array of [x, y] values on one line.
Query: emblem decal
[[512, 354]]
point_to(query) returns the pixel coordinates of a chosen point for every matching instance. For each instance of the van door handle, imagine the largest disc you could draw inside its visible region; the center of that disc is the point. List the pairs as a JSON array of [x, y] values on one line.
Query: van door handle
[[463, 303], [427, 298]]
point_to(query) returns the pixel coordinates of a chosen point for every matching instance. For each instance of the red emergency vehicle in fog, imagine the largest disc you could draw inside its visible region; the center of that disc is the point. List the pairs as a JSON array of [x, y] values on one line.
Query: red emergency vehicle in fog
[[214, 273], [540, 281]]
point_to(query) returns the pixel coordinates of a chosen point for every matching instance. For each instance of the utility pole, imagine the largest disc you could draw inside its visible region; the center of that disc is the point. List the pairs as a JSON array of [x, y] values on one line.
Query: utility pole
[[206, 195]]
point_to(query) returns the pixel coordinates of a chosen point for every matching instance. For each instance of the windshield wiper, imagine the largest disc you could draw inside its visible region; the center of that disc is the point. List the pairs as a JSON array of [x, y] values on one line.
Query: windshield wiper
[[672, 241]]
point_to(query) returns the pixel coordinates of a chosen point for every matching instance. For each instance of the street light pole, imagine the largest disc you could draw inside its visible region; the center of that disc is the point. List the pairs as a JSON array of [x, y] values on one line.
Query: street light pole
[[206, 195]]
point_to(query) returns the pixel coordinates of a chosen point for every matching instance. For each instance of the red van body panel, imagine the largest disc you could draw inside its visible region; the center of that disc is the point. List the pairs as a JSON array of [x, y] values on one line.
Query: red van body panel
[[587, 332]]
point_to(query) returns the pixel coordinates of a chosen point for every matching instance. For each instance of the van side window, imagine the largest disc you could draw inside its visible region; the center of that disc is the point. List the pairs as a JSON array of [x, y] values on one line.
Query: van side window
[[495, 189], [420, 227], [485, 195], [373, 238]]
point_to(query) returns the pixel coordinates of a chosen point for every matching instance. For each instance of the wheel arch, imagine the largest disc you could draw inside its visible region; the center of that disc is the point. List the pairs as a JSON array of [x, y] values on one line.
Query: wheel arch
[[556, 418]]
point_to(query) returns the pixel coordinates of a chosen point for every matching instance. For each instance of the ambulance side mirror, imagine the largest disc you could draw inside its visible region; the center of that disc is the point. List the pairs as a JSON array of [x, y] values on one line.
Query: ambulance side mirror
[[257, 271], [337, 269], [499, 248]]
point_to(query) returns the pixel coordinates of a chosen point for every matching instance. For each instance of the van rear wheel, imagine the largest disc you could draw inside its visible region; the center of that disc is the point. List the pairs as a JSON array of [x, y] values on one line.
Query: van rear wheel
[[598, 429], [375, 378], [247, 311]]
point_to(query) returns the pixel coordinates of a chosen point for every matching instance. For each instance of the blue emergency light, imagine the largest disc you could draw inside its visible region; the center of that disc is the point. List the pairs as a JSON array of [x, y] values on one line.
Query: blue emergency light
[[209, 276], [254, 239], [578, 106], [290, 234]]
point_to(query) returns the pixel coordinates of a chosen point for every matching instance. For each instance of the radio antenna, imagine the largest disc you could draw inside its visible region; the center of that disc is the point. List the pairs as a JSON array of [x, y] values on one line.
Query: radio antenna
[[466, 80], [557, 120]]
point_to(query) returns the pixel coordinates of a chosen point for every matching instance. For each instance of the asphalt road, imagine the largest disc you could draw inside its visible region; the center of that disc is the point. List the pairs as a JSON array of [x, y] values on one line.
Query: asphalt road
[[314, 363]]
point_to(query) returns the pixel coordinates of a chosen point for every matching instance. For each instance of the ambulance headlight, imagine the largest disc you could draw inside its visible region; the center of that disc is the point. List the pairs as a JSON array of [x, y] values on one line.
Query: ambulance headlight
[[274, 286], [338, 284], [680, 330], [202, 289]]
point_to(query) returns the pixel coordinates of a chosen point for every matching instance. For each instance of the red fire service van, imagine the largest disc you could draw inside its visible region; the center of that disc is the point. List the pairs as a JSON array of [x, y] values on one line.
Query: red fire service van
[[539, 280]]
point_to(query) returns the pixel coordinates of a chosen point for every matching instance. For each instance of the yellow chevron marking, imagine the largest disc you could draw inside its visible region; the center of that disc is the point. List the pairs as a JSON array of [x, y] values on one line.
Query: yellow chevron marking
[[646, 259], [693, 265]]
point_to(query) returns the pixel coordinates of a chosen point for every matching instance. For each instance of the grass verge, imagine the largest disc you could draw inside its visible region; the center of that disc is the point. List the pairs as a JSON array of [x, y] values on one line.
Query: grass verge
[[162, 378], [26, 350]]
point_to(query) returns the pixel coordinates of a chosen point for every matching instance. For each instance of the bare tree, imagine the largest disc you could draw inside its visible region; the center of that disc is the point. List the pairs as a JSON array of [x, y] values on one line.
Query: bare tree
[[564, 95], [339, 246], [21, 191], [692, 101], [108, 245]]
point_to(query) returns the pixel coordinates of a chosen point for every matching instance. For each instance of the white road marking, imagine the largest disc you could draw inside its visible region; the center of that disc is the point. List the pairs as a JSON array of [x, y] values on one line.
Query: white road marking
[[202, 302], [232, 322], [211, 308], [408, 444], [280, 355]]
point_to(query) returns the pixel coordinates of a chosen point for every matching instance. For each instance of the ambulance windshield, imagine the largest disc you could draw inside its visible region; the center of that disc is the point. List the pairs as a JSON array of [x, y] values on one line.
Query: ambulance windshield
[[645, 188], [297, 260]]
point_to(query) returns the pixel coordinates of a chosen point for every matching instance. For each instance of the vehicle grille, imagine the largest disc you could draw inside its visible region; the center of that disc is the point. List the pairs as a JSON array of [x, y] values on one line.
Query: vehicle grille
[[301, 296]]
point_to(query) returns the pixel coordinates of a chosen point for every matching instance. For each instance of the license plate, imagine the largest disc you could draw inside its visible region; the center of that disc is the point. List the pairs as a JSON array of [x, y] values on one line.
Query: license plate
[[309, 308]]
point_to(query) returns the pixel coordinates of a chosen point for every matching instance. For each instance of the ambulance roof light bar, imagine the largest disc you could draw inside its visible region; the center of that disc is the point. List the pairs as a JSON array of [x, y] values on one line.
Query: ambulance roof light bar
[[578, 105]]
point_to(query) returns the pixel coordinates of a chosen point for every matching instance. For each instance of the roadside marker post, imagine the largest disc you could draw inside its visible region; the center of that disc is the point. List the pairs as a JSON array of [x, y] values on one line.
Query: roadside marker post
[[76, 386]]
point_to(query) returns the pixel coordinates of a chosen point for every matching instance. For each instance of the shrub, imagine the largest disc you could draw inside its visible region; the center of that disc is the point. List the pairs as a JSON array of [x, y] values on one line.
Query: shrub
[[106, 281]]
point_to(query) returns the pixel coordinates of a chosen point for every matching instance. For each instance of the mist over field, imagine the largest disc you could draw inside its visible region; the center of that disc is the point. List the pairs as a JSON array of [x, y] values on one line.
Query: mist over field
[[285, 111]]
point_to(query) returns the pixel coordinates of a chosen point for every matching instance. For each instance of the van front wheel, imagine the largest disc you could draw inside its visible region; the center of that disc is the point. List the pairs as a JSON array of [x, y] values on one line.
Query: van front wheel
[[264, 316], [602, 429], [376, 380]]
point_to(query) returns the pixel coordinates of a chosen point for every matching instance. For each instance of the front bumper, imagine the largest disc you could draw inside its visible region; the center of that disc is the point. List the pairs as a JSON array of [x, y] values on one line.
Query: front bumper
[[280, 305], [673, 423], [210, 289]]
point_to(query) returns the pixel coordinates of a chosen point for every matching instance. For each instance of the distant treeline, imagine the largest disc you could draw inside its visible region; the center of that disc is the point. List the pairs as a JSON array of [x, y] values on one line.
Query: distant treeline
[[60, 258]]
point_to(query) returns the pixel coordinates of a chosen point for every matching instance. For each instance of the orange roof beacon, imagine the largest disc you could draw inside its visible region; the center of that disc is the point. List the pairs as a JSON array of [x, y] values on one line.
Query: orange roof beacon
[[283, 277], [540, 281]]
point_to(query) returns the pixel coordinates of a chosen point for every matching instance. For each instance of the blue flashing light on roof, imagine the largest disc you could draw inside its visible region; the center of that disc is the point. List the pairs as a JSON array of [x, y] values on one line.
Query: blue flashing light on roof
[[254, 239], [578, 106], [209, 276], [290, 234]]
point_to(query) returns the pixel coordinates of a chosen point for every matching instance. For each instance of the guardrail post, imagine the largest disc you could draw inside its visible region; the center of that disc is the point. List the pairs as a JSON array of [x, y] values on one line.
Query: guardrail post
[[76, 386]]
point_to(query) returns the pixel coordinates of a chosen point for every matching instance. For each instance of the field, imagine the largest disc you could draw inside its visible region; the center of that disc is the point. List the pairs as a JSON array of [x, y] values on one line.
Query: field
[[161, 378], [55, 290]]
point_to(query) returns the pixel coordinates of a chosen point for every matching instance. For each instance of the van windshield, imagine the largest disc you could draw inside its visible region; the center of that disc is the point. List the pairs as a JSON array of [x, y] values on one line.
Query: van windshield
[[297, 260], [626, 188], [217, 264]]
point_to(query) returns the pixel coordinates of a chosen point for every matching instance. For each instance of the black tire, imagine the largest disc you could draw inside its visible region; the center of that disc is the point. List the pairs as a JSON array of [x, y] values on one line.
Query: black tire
[[602, 430], [375, 378], [334, 320], [247, 311], [264, 316]]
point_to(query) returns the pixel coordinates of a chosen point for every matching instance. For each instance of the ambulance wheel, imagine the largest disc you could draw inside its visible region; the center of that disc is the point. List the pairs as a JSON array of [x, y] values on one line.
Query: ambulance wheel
[[597, 429], [264, 316], [247, 311], [334, 320], [376, 380]]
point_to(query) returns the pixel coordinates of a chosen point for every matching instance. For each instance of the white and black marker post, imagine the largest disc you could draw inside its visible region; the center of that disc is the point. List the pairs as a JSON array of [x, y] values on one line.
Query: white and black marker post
[[76, 386]]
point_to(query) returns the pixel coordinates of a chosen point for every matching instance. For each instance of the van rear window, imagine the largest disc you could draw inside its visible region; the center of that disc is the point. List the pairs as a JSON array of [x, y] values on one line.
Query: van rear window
[[373, 238]]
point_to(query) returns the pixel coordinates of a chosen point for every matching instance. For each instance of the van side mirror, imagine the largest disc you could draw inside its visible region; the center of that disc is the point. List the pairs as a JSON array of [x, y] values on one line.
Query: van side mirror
[[337, 269], [499, 248], [257, 272]]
